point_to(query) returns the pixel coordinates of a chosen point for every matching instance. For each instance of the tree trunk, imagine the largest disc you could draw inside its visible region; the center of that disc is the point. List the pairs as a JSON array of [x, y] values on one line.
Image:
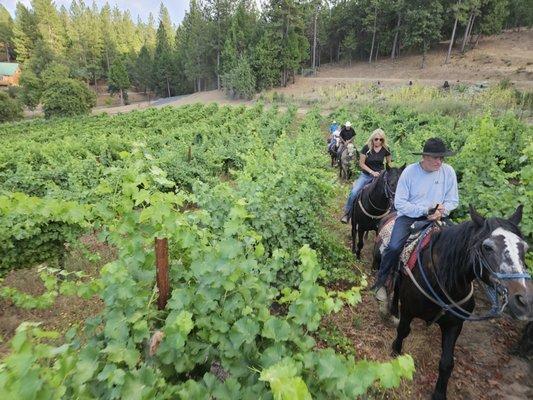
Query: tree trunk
[[218, 69], [470, 30], [107, 60], [424, 55], [373, 34], [7, 52], [377, 52], [477, 40], [451, 42], [314, 42], [121, 97], [339, 52], [467, 28], [168, 87], [395, 42]]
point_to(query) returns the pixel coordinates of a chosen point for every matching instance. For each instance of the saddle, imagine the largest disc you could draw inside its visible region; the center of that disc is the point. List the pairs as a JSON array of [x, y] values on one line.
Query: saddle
[[408, 257]]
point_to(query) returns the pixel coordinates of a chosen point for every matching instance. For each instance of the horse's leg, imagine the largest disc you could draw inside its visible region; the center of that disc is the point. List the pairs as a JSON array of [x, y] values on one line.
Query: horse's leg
[[377, 257], [449, 337], [360, 243], [354, 233], [396, 297], [402, 331]]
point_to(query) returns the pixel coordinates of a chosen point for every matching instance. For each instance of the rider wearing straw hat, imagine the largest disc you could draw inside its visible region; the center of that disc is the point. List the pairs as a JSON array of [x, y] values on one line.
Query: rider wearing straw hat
[[427, 190]]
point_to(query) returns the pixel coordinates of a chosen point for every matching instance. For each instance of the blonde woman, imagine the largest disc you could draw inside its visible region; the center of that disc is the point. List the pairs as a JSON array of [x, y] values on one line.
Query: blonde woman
[[373, 156]]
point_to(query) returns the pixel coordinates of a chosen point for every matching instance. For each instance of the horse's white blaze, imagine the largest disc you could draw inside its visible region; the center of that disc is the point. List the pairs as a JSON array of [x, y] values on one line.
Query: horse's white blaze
[[512, 243]]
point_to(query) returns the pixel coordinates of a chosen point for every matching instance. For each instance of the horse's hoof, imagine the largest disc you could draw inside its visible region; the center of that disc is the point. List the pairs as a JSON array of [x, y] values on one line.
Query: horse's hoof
[[438, 396], [395, 353], [394, 321]]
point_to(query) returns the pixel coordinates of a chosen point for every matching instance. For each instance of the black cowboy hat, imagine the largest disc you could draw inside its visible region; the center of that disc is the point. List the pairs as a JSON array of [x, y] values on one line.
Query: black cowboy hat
[[435, 147]]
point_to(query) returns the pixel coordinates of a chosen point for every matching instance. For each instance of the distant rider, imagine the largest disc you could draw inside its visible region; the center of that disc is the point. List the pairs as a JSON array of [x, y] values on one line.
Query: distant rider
[[347, 136], [333, 127], [422, 186]]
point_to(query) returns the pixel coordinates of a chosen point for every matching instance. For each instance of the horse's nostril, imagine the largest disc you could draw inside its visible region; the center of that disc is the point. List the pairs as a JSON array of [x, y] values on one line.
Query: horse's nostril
[[521, 300]]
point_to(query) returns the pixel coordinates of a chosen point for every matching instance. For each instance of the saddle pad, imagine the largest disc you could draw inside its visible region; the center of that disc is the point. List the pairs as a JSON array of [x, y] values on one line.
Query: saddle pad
[[408, 256]]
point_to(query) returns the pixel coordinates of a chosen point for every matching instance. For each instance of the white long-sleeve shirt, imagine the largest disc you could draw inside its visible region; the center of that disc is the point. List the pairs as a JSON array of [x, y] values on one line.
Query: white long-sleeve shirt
[[419, 190]]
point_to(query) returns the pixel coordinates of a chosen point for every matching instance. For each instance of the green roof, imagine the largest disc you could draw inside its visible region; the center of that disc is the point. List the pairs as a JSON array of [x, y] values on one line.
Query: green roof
[[8, 69]]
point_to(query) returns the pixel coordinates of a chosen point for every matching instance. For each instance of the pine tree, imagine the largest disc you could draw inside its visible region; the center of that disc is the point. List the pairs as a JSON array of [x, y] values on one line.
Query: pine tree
[[85, 50], [49, 26], [264, 63], [148, 32], [194, 45], [143, 69], [181, 82], [219, 12], [6, 32], [25, 32], [119, 80], [164, 18], [286, 32], [162, 72]]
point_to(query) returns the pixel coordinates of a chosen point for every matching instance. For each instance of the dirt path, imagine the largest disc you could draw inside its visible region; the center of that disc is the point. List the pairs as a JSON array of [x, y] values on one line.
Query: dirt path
[[484, 369]]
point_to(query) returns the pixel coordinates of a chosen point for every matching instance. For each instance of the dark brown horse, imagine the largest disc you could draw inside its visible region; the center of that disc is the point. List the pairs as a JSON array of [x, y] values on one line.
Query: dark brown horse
[[440, 288], [373, 203]]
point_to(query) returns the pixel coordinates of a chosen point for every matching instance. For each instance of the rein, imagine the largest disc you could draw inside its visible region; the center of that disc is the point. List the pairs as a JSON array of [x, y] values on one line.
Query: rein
[[493, 293]]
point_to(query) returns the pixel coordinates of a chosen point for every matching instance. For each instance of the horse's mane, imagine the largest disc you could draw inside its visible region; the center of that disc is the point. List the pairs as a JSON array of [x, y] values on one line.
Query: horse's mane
[[459, 248]]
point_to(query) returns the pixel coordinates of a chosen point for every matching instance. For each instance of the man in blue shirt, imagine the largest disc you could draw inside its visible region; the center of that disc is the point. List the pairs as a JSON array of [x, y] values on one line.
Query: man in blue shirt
[[426, 190], [333, 127]]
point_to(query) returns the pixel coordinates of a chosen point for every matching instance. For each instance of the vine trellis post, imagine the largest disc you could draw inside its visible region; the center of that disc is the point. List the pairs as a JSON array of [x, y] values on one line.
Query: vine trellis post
[[161, 262]]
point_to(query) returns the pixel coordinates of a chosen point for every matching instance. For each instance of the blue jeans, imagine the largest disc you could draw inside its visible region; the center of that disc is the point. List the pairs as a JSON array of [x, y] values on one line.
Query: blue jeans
[[391, 255], [358, 185]]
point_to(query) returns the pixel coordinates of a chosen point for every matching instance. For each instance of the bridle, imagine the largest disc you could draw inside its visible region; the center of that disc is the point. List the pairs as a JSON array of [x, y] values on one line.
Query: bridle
[[389, 195], [496, 293]]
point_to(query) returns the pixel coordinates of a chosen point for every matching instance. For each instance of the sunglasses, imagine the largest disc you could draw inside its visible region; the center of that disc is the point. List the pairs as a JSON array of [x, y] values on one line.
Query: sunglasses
[[376, 139]]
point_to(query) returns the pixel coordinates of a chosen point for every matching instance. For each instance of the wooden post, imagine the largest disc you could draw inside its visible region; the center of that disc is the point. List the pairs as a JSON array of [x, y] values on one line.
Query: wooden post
[[161, 262]]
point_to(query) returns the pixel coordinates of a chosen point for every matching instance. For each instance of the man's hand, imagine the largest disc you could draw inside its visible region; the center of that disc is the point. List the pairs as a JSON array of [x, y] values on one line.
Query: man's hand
[[436, 216], [374, 174]]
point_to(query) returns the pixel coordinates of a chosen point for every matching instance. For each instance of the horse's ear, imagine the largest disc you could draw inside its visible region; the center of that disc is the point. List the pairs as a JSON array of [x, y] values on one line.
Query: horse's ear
[[478, 219], [517, 215]]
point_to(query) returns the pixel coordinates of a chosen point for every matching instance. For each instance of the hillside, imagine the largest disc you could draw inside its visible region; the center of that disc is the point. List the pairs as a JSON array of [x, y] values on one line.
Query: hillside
[[505, 56]]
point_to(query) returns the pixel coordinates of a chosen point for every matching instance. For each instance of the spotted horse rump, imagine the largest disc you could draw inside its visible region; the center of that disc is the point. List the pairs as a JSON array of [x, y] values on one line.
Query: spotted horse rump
[[408, 257]]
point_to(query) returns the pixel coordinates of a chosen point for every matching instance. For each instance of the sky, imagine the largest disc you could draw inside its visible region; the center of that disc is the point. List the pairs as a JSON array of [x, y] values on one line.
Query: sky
[[142, 8]]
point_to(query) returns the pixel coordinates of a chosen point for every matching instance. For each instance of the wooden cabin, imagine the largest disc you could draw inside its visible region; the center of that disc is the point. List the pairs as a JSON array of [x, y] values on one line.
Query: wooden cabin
[[9, 74]]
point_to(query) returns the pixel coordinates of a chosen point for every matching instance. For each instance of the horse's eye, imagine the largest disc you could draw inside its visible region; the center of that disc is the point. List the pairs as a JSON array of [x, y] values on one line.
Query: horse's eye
[[487, 247]]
